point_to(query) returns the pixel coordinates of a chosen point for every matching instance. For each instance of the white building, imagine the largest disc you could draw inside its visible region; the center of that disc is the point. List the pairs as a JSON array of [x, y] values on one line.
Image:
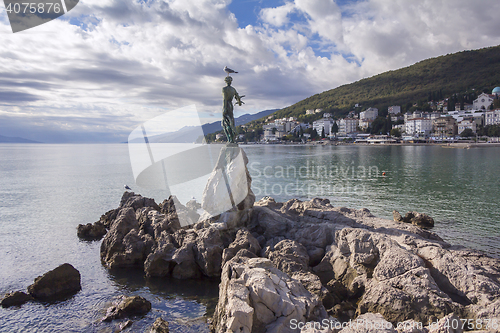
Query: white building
[[365, 123], [347, 125], [395, 109], [309, 112], [325, 123], [483, 102], [492, 117], [460, 115], [369, 114], [467, 123], [416, 126]]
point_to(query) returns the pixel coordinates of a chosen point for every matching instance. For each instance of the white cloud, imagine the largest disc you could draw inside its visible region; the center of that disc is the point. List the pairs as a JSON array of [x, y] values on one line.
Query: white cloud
[[130, 60], [277, 16]]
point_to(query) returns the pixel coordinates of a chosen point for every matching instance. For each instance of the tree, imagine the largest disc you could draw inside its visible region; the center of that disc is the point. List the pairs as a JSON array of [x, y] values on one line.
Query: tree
[[323, 132], [467, 133], [335, 128], [396, 132]]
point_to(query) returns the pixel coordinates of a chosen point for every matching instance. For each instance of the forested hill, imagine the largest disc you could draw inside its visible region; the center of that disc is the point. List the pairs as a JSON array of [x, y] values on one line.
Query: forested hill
[[430, 79]]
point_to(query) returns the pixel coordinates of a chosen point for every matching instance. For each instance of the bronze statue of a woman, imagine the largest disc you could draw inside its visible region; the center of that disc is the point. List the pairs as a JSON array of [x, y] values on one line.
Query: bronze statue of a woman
[[229, 93]]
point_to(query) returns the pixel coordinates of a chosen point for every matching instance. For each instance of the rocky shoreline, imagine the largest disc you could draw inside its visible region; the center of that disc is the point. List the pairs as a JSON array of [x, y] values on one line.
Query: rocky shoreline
[[292, 265]]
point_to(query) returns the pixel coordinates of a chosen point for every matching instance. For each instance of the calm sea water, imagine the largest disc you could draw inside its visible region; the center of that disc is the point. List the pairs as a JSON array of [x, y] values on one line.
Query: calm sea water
[[47, 190]]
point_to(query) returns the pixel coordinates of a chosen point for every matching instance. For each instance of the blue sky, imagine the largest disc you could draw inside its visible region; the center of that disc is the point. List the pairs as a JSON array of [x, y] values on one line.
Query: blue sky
[[99, 71]]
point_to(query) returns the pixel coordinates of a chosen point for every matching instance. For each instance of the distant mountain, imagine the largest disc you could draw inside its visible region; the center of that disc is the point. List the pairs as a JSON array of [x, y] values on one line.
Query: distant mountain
[[189, 134], [8, 139], [432, 79]]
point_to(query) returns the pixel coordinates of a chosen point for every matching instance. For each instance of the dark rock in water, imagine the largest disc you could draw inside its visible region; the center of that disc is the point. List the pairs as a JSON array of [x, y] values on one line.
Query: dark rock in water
[[125, 325], [128, 307], [418, 219], [160, 326], [56, 284], [397, 216], [91, 231], [125, 245], [15, 298]]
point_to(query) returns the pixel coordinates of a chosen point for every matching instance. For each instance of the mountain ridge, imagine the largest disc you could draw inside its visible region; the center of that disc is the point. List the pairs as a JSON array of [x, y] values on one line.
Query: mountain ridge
[[448, 74]]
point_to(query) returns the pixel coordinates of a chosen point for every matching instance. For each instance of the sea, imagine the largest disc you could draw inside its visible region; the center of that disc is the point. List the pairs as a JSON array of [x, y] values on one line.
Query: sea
[[46, 190]]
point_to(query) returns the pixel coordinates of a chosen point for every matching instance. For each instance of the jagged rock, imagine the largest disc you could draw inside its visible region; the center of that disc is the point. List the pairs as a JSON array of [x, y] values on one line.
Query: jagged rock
[[360, 264], [128, 307], [255, 296], [208, 251], [58, 283], [124, 246], [136, 201], [159, 263], [184, 257], [15, 298], [397, 216], [193, 205], [125, 325], [244, 240], [160, 326], [91, 231], [289, 256], [418, 219]]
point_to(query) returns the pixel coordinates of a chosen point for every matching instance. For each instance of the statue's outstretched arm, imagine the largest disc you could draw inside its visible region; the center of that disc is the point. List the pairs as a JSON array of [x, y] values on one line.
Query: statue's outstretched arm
[[238, 98]]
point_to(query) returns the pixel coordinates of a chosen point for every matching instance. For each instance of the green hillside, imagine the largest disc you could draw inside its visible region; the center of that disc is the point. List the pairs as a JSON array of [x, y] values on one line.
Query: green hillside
[[430, 79]]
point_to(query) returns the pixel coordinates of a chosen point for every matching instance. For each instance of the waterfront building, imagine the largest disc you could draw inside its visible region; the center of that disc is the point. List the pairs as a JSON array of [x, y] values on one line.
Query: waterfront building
[[395, 109], [325, 123], [416, 126], [467, 123], [492, 117], [445, 126], [483, 102], [347, 125], [400, 127], [365, 123]]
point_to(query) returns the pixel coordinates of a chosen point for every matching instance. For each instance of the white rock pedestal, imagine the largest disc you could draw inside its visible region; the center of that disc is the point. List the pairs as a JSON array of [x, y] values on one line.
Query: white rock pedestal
[[228, 196]]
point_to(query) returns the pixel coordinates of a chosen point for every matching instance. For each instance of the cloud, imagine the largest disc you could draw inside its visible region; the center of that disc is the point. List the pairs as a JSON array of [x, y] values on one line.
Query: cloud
[[109, 65]]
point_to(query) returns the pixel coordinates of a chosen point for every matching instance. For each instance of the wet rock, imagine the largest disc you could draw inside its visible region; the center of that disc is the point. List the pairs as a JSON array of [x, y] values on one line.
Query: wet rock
[[128, 307], [160, 326], [124, 245], [91, 231], [418, 219], [16, 298], [125, 325], [58, 283]]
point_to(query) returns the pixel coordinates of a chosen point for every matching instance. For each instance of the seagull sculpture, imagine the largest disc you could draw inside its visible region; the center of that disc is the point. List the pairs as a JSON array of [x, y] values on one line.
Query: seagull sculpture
[[127, 187], [228, 70]]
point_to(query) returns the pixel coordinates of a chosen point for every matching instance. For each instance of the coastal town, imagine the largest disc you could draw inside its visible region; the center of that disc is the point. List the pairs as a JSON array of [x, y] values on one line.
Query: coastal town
[[479, 120]]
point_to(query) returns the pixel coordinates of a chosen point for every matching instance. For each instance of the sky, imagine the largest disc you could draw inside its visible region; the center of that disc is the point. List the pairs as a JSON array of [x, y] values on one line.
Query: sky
[[98, 72]]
